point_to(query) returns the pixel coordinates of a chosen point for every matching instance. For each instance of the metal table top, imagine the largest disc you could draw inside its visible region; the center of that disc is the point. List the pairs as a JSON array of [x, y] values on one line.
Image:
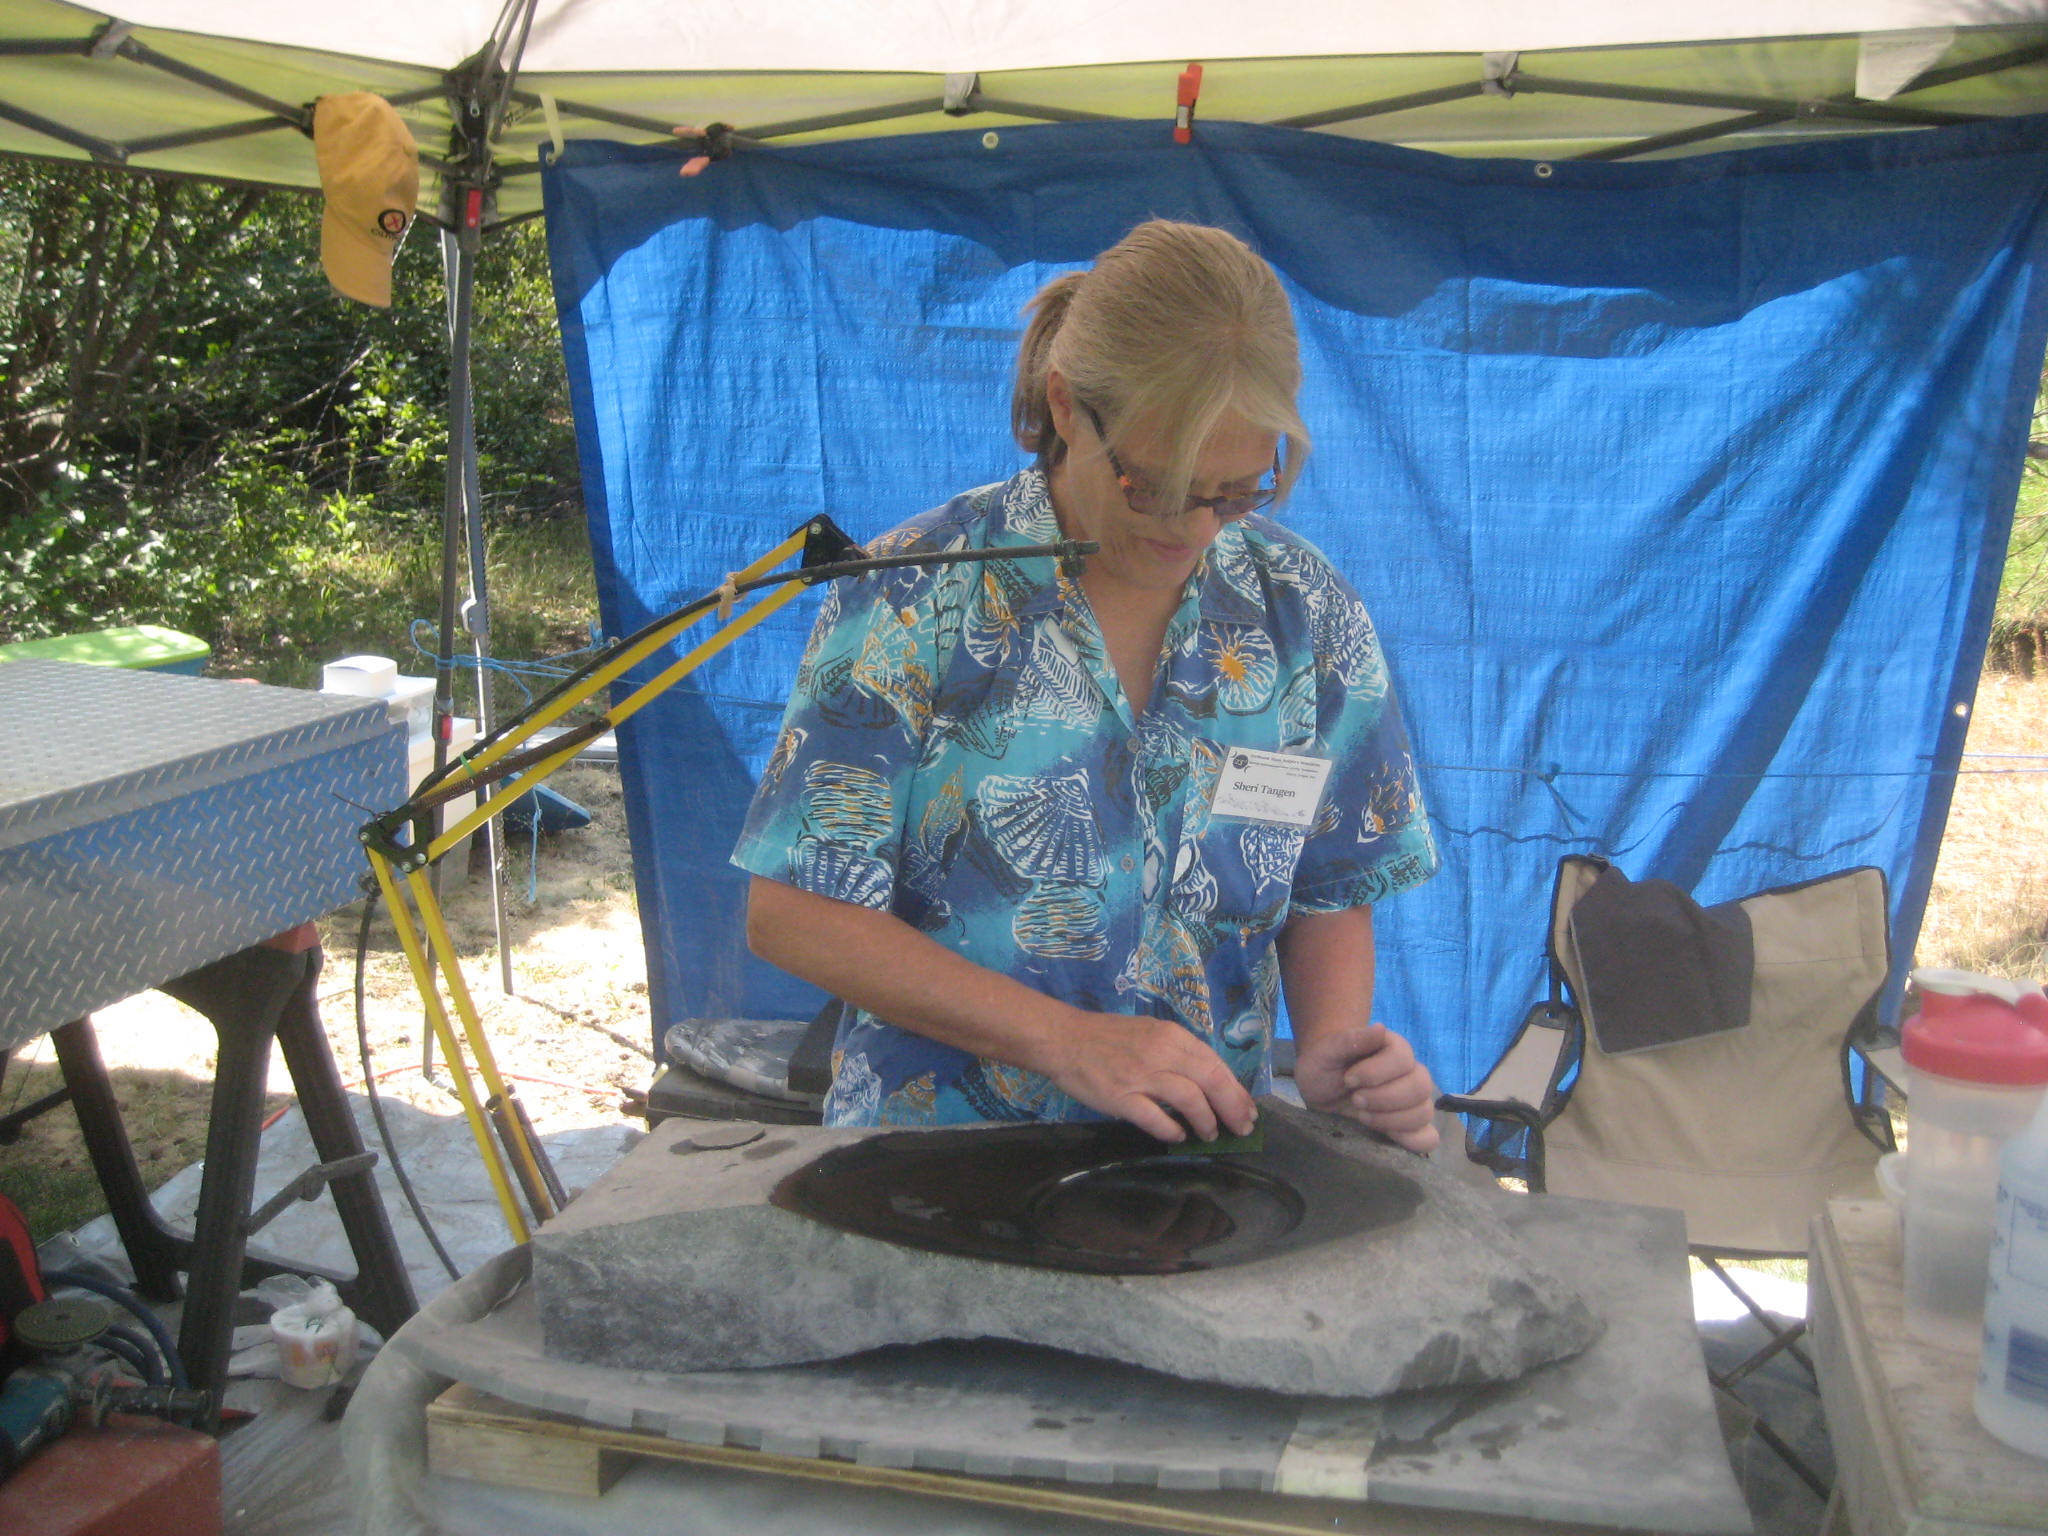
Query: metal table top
[[151, 823]]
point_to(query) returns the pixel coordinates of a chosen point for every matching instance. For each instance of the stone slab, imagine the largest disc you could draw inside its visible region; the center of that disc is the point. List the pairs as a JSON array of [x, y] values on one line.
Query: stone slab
[[1623, 1435], [678, 1263]]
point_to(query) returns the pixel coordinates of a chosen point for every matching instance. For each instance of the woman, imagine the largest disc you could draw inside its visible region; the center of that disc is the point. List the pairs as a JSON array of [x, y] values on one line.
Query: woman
[[1067, 833]]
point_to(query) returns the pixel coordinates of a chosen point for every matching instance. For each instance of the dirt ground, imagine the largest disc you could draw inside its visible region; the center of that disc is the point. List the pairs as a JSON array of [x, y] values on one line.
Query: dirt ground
[[574, 1038]]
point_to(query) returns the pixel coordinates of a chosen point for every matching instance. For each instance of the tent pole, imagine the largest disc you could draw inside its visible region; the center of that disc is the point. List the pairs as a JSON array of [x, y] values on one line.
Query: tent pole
[[462, 524], [451, 544], [478, 92], [476, 618]]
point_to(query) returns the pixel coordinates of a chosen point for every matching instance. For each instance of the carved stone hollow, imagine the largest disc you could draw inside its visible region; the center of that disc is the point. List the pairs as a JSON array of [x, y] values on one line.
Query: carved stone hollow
[[680, 1263]]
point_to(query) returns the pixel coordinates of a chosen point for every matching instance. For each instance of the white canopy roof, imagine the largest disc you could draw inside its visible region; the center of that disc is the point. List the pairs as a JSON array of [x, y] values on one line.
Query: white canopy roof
[[217, 87], [950, 36]]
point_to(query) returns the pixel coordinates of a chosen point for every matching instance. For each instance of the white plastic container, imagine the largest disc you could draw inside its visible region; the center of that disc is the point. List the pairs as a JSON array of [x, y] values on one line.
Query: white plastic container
[[1976, 1070], [363, 677], [2012, 1373], [316, 1338]]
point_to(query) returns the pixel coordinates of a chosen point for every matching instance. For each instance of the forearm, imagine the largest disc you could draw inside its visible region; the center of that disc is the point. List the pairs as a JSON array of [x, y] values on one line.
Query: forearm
[[876, 961], [1326, 971]]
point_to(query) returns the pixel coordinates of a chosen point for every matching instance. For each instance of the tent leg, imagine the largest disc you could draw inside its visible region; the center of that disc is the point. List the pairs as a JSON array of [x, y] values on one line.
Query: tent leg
[[462, 244]]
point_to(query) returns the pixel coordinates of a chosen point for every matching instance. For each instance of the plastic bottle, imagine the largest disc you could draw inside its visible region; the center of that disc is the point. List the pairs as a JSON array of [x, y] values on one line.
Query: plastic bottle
[[1977, 1064], [2012, 1374]]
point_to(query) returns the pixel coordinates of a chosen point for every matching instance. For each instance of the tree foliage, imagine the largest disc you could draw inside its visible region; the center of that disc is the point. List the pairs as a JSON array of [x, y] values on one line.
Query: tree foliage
[[108, 272], [186, 406]]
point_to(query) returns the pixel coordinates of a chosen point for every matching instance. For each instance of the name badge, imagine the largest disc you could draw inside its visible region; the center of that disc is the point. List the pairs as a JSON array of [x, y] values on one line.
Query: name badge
[[1269, 786]]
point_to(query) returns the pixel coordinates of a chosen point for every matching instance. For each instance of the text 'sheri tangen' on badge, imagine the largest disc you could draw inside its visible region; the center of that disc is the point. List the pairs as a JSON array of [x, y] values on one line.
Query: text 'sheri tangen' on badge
[[1269, 786]]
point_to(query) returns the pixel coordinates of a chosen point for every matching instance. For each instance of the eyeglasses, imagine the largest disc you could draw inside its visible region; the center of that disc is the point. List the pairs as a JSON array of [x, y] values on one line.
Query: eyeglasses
[[1144, 501]]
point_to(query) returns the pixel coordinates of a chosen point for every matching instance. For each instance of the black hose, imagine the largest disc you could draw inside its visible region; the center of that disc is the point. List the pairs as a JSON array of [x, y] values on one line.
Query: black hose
[[398, 1172], [166, 1347], [133, 1351]]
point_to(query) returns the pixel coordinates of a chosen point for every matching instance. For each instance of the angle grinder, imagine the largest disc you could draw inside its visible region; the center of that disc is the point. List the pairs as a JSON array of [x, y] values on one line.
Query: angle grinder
[[70, 1382]]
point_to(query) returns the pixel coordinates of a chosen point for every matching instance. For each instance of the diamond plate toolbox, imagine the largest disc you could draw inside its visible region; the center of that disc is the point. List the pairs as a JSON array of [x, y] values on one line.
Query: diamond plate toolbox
[[152, 823]]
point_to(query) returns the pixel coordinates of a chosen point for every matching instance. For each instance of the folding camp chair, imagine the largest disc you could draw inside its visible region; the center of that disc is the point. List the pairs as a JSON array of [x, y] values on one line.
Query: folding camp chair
[[1701, 1059]]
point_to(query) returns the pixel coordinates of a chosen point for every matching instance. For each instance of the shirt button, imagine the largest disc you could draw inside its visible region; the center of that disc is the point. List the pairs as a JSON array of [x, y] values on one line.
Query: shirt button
[[1128, 863]]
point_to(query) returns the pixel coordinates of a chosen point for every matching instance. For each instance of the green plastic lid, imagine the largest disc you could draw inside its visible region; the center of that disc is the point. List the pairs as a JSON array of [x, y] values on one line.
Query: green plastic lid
[[131, 645]]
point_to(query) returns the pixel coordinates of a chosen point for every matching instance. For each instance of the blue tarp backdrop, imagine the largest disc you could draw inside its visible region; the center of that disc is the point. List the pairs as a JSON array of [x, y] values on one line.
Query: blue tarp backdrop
[[1678, 490]]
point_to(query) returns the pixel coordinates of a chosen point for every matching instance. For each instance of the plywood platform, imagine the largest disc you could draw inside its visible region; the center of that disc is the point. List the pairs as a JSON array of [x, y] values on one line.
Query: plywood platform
[[473, 1435]]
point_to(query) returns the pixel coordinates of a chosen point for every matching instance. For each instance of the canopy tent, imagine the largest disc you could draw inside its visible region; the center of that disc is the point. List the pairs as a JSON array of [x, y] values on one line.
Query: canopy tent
[[216, 88], [223, 88]]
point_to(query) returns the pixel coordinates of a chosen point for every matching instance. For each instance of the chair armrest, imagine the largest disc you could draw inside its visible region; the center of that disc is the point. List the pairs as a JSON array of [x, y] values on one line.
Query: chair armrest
[[1522, 1089], [1530, 1166], [1888, 1062]]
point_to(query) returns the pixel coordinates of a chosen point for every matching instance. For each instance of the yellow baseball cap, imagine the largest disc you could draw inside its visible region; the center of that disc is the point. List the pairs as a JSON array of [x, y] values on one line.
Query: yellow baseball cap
[[370, 177]]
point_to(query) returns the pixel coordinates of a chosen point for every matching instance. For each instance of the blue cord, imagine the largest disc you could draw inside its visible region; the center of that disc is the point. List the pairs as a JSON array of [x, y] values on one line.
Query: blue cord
[[133, 1351], [547, 667], [165, 1345]]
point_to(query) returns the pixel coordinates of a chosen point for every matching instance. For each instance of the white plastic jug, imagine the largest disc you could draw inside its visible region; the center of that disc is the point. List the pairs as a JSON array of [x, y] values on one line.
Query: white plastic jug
[[1977, 1061], [2012, 1374]]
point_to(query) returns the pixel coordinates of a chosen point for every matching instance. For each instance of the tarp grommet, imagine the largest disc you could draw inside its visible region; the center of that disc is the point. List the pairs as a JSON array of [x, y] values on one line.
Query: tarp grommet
[[991, 139], [1544, 170]]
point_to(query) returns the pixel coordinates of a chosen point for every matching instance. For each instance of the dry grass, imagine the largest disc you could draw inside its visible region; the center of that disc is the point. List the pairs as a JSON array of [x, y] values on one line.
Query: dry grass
[[1988, 910]]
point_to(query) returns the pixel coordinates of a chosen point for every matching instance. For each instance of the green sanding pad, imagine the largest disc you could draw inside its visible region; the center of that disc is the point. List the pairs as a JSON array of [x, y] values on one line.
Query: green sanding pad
[[1255, 1142]]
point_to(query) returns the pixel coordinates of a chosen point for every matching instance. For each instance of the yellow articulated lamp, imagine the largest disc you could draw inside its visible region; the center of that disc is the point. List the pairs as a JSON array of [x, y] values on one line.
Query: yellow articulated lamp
[[403, 845]]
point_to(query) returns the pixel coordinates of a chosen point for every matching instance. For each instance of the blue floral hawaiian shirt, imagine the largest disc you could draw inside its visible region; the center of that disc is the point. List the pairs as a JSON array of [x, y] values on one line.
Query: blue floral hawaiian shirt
[[958, 751]]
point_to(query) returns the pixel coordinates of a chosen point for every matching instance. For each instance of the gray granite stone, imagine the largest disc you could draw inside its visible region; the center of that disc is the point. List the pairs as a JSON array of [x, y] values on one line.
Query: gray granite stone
[[678, 1263]]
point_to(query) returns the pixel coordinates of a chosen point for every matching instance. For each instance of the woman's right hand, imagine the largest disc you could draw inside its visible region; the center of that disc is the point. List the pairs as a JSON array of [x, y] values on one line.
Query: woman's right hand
[[1138, 1069], [1143, 1070]]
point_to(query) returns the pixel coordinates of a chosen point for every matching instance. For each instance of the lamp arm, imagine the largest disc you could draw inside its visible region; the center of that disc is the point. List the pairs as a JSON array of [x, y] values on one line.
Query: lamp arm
[[496, 758], [400, 866]]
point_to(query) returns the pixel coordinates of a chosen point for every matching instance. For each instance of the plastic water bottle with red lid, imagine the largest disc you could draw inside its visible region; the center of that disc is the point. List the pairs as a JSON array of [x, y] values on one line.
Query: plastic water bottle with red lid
[[2012, 1373], [1977, 1066]]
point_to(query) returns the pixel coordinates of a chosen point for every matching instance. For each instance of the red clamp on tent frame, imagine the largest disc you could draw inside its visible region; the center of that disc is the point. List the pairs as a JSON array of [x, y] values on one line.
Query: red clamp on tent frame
[[402, 845], [1184, 104]]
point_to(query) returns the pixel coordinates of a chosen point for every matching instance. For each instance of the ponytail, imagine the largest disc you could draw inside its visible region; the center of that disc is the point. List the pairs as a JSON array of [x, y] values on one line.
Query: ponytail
[[1030, 414]]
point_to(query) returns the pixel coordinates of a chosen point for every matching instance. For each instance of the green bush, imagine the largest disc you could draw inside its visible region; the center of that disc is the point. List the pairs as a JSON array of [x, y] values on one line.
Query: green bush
[[195, 430]]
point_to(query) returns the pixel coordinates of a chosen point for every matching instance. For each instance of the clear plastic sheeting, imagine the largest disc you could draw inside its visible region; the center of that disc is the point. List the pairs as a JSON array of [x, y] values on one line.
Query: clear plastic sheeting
[[440, 1157]]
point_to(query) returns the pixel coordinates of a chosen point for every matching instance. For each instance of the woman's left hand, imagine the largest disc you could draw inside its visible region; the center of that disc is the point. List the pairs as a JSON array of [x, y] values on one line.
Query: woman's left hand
[[1370, 1074]]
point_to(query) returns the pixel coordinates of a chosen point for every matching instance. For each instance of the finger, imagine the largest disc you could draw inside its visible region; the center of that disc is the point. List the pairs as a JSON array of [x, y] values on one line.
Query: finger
[[1385, 1058], [1409, 1092], [1229, 1101], [1185, 1097], [1223, 1100], [1421, 1139], [694, 166], [1147, 1115], [1404, 1112]]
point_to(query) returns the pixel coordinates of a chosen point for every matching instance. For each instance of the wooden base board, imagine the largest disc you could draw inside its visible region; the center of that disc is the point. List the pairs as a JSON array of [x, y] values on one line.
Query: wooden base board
[[473, 1435]]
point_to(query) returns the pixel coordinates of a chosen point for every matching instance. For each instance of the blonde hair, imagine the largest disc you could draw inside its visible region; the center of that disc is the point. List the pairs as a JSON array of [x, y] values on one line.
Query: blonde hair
[[1177, 326]]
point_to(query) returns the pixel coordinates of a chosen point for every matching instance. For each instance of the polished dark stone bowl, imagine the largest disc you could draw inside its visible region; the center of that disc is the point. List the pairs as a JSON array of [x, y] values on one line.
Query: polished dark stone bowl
[[1100, 1198]]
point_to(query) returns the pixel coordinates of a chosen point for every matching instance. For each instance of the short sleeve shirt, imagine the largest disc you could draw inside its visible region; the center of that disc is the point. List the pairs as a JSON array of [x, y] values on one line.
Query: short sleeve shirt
[[958, 751]]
